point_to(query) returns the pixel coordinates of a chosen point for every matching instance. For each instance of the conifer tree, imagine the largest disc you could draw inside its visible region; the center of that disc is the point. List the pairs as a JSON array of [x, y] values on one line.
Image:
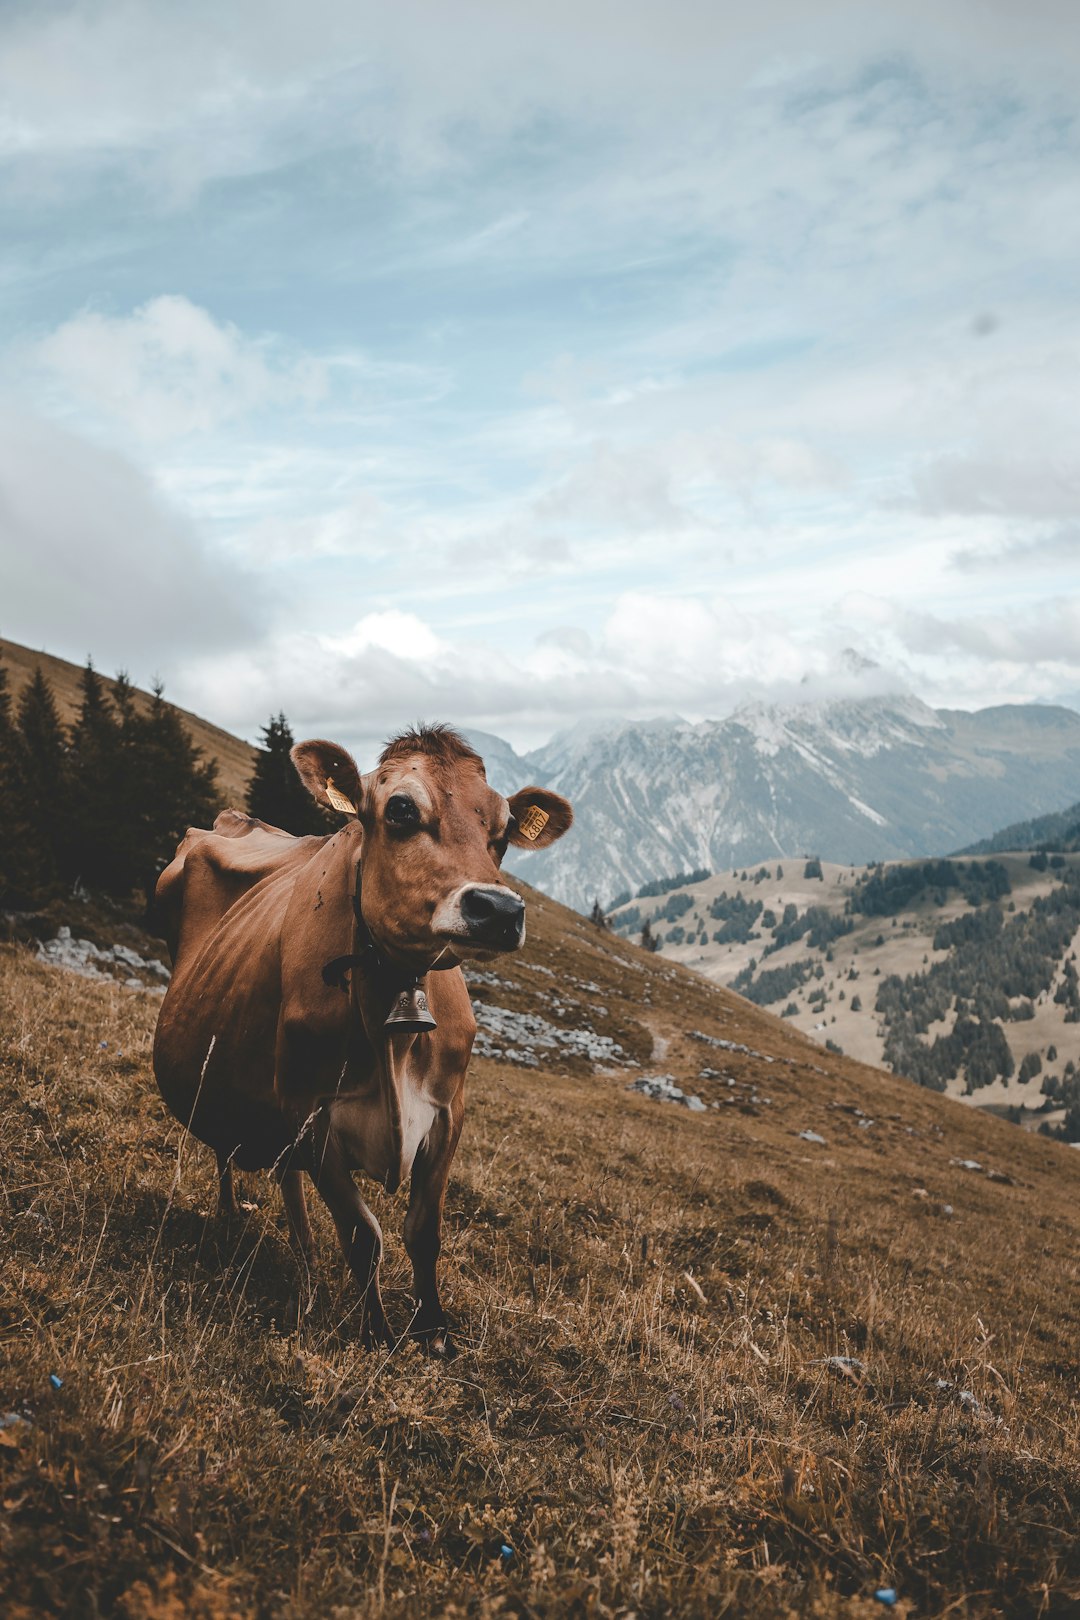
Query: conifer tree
[[598, 917], [19, 859], [43, 785], [100, 841], [275, 792], [171, 786]]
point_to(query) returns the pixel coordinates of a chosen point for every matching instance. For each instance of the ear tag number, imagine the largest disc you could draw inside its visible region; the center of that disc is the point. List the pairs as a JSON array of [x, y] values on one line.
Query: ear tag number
[[338, 800], [533, 823]]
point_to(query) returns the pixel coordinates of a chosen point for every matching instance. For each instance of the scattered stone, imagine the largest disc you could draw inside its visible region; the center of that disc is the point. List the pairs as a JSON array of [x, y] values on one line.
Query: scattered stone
[[663, 1088], [812, 1136], [729, 1046], [965, 1398], [919, 1192], [516, 1037], [92, 961], [966, 1164]]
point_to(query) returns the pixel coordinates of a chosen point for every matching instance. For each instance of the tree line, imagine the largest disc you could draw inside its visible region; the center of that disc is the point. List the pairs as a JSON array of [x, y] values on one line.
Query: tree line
[[101, 803]]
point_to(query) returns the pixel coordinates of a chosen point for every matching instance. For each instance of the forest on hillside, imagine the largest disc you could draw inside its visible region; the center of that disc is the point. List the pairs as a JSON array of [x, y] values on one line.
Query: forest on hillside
[[944, 1022], [98, 806]]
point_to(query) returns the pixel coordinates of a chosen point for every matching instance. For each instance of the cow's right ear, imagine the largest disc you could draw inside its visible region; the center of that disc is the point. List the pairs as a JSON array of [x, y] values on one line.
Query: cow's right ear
[[330, 775]]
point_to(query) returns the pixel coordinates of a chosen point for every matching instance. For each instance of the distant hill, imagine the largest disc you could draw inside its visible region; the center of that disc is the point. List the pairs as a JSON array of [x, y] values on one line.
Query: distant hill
[[876, 778], [960, 974], [1060, 830], [235, 757]]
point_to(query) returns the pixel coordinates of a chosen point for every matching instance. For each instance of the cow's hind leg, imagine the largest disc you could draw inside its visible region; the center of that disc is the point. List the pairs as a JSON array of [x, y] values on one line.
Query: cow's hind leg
[[291, 1183], [226, 1204], [423, 1228], [359, 1234]]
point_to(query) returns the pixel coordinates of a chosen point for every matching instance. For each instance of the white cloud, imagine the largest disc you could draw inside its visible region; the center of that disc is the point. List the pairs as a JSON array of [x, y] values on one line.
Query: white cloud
[[652, 655], [170, 369]]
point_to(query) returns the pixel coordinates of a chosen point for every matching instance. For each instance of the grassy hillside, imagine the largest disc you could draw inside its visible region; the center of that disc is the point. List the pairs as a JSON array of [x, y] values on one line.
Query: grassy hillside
[[828, 982], [758, 1359], [235, 758]]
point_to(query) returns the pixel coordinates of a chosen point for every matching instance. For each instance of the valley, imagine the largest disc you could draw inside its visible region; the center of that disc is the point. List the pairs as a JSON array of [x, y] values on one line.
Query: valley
[[754, 929]]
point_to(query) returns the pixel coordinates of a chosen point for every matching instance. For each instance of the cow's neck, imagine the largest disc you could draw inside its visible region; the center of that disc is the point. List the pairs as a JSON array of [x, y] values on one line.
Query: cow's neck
[[377, 985]]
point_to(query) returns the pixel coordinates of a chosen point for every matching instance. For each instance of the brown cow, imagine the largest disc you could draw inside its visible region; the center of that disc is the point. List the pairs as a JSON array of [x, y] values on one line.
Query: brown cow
[[291, 953]]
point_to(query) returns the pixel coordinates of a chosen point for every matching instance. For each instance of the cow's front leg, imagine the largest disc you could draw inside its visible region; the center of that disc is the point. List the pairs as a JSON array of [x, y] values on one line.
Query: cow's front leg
[[423, 1227], [359, 1234], [227, 1204], [291, 1183]]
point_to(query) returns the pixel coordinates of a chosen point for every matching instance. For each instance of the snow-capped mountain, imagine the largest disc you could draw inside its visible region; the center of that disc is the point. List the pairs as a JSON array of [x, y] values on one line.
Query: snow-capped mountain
[[852, 780]]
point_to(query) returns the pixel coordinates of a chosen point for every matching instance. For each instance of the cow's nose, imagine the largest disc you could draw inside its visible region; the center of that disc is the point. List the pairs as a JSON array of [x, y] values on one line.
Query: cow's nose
[[494, 915]]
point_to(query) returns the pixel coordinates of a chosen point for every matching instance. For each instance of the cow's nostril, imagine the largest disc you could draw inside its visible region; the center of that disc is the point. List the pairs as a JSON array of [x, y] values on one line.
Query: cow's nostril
[[493, 913]]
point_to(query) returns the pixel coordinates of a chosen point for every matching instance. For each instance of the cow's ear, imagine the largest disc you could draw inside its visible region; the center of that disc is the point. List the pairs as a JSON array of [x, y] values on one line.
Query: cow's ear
[[330, 775], [539, 818]]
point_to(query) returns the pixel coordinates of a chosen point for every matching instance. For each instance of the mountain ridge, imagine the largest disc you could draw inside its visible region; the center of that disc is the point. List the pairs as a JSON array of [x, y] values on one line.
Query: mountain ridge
[[884, 777]]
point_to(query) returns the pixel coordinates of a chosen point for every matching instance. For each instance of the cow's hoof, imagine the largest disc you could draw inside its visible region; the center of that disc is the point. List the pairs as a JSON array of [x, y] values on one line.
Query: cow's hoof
[[376, 1336], [437, 1344]]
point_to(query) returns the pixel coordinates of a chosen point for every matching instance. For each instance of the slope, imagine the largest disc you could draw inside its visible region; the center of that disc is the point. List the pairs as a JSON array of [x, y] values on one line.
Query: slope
[[235, 757], [760, 1356], [803, 945]]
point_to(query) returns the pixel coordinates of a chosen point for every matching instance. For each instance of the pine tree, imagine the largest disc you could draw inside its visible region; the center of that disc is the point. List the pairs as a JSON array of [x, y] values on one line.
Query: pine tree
[[649, 941], [597, 916], [19, 855], [275, 792], [172, 786], [43, 786], [100, 828]]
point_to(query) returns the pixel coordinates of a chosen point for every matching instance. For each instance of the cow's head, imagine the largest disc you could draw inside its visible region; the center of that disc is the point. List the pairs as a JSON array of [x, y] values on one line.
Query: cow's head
[[435, 834]]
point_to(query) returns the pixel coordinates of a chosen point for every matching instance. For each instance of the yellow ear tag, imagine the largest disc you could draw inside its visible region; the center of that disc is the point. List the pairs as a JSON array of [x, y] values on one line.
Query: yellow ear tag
[[338, 800], [533, 823]]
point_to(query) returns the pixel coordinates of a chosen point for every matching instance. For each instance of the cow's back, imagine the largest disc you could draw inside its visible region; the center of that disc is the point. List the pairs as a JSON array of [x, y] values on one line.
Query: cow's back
[[212, 870]]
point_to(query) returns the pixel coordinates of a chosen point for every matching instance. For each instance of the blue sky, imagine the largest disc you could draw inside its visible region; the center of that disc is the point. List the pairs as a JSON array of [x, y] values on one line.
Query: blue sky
[[520, 365]]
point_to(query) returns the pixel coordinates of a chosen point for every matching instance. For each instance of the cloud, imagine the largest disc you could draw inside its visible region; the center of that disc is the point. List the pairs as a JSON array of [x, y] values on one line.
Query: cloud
[[651, 655], [170, 369], [92, 560], [1036, 486], [1044, 632], [1062, 547]]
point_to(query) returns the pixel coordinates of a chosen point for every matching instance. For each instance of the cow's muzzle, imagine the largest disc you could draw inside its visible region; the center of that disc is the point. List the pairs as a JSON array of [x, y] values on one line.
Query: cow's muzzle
[[485, 915]]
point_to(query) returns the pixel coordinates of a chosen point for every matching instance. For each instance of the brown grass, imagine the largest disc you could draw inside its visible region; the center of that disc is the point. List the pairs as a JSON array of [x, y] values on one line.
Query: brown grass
[[642, 1413]]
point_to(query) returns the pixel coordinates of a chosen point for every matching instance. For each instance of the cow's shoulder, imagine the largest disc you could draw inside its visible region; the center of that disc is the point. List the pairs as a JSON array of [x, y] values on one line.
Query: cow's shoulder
[[211, 870]]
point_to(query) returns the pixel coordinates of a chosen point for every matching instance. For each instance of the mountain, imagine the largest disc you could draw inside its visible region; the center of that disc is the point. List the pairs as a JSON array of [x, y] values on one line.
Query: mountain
[[856, 779], [235, 758], [806, 1334], [957, 973]]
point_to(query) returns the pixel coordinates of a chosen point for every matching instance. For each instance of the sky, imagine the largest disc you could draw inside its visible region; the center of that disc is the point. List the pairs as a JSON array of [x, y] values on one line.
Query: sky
[[518, 365]]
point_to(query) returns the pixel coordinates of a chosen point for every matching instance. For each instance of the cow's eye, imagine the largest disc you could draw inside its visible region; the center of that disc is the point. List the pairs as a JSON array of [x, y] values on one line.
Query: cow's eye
[[402, 811]]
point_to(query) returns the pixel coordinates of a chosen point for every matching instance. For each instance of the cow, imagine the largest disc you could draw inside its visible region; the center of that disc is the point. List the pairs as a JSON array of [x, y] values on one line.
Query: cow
[[318, 1022]]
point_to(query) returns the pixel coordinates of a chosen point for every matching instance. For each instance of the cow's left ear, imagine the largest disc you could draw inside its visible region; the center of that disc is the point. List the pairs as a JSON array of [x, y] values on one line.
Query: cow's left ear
[[330, 775], [539, 818]]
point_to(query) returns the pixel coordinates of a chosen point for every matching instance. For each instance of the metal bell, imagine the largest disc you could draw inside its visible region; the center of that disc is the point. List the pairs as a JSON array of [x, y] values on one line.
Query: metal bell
[[410, 1013]]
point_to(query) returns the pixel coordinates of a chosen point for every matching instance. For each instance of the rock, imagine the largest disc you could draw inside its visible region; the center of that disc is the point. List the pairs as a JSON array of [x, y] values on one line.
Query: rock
[[663, 1088]]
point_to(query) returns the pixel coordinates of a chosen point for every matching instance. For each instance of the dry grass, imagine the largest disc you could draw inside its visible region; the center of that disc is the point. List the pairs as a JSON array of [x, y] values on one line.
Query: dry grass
[[642, 1414]]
